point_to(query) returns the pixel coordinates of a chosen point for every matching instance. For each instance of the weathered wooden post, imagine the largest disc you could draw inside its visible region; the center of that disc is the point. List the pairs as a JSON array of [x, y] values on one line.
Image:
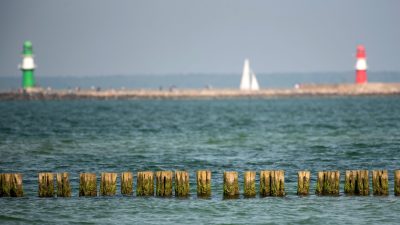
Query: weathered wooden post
[[46, 184], [303, 182], [63, 185], [265, 183], [328, 183], [250, 184], [203, 183], [126, 183], [231, 184], [164, 183], [145, 183], [182, 184], [356, 182], [108, 184], [88, 184], [11, 185], [380, 183], [272, 183], [397, 183]]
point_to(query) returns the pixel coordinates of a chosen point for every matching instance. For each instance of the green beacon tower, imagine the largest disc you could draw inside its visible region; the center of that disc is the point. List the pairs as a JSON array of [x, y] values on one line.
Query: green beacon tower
[[27, 66]]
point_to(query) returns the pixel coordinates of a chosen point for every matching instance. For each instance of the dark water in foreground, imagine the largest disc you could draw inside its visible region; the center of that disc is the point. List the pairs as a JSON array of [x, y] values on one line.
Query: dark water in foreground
[[291, 134]]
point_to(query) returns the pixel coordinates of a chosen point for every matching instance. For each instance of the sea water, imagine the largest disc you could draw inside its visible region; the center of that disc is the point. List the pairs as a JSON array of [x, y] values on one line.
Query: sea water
[[292, 134]]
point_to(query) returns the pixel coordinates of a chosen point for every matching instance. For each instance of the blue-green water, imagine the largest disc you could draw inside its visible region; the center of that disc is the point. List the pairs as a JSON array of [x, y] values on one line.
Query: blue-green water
[[291, 134]]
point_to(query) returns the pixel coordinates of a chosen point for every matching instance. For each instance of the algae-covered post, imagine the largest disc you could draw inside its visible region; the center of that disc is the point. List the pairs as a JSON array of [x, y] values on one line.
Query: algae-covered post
[[250, 184], [265, 183], [231, 184], [272, 183], [126, 183], [350, 182], [356, 182], [63, 185], [380, 183], [145, 183], [88, 184], [203, 183], [303, 182], [164, 183], [11, 185], [397, 183], [181, 184], [46, 185], [108, 184], [328, 183]]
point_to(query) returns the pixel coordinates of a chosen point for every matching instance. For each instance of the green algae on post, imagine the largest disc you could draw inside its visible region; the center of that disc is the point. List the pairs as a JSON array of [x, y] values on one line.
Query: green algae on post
[[182, 184], [231, 184], [164, 183], [265, 183], [63, 185], [380, 183], [249, 184], [145, 183], [303, 182], [397, 183], [108, 184], [328, 183], [203, 183], [126, 183], [88, 184], [46, 184], [11, 185], [272, 183], [356, 182]]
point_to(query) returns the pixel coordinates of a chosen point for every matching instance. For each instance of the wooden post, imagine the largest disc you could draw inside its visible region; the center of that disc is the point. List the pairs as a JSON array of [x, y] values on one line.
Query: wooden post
[[397, 183], [11, 185], [350, 182], [88, 184], [182, 184], [362, 182], [145, 183], [203, 183], [265, 183], [63, 186], [250, 184], [126, 183], [231, 185], [356, 182], [272, 183], [164, 183], [46, 185], [380, 183], [303, 182], [328, 183], [108, 184]]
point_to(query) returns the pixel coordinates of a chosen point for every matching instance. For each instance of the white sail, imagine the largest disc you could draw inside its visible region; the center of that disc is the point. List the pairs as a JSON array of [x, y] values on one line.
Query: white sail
[[254, 83], [249, 80], [245, 82]]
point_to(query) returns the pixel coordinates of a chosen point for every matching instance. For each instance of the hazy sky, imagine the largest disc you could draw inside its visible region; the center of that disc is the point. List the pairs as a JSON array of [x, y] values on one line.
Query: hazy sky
[[208, 36]]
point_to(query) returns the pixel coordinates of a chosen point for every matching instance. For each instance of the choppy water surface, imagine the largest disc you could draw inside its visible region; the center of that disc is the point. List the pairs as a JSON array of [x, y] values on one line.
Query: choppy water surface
[[291, 134]]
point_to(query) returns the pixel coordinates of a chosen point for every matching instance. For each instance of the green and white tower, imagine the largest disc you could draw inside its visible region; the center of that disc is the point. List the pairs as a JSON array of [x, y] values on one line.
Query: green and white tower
[[27, 66]]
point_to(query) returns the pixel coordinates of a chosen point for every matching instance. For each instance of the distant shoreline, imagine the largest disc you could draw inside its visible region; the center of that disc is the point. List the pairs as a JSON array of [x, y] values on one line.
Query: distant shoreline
[[301, 90]]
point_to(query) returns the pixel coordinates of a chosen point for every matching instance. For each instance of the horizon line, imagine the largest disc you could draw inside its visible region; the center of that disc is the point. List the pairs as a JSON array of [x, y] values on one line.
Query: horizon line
[[195, 73]]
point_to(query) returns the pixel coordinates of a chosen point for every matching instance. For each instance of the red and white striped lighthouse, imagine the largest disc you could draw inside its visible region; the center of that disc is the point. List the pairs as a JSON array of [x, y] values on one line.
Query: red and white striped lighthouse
[[361, 65]]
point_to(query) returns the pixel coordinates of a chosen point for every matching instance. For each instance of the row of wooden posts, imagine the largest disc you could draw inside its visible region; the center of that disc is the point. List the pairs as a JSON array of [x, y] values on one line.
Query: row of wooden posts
[[272, 183]]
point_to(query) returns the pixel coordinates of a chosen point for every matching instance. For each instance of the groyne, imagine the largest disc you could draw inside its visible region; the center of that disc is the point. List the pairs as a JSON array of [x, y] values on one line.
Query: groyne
[[299, 90], [271, 183]]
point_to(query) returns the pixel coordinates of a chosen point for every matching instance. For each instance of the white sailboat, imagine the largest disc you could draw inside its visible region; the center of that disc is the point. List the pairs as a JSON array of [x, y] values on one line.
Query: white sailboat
[[249, 81]]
